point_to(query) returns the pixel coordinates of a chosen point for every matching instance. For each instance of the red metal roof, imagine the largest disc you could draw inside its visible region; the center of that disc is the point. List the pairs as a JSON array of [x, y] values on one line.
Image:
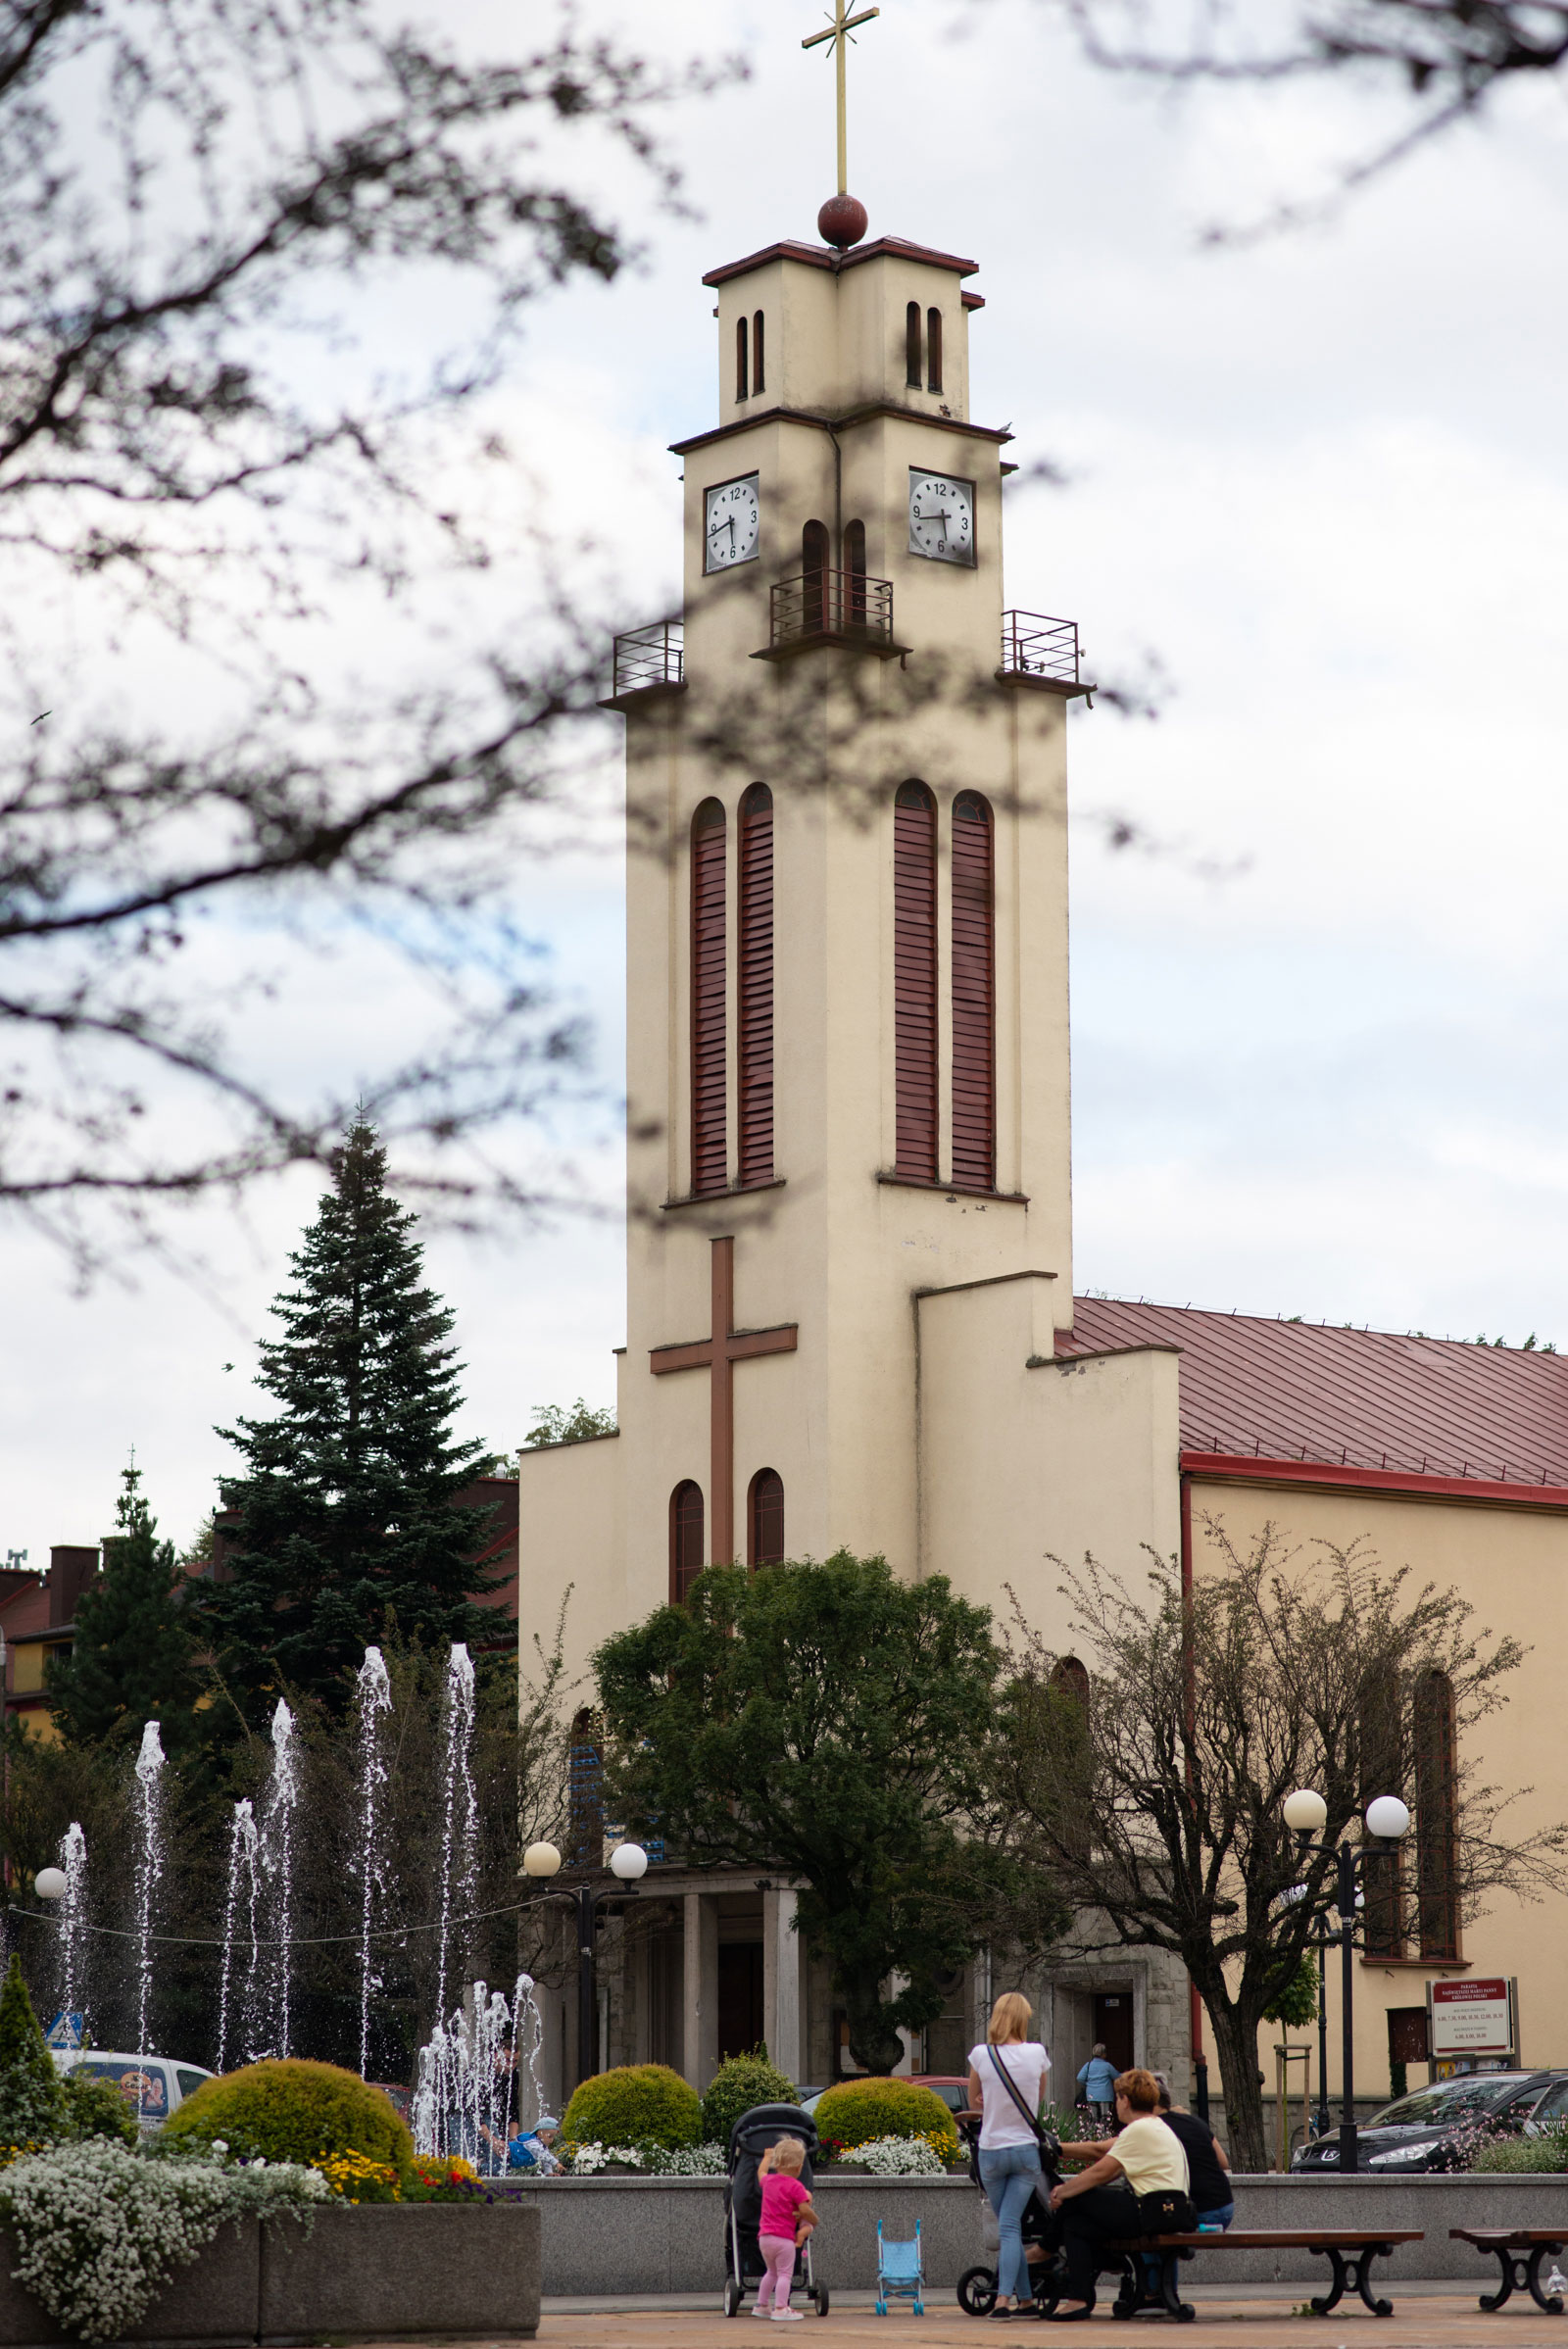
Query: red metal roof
[[1367, 1399], [824, 257]]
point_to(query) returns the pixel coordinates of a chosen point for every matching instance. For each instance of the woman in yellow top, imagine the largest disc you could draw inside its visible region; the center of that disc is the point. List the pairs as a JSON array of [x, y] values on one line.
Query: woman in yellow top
[[1100, 2204]]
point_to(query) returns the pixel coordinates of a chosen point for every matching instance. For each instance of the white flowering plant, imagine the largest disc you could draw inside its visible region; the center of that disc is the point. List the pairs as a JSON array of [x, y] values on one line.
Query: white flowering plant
[[895, 2157], [652, 2161], [101, 2229]]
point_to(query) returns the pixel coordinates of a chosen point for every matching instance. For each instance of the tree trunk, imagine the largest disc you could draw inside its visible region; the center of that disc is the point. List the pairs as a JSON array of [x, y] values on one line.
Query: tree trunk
[[1236, 2042], [873, 2040]]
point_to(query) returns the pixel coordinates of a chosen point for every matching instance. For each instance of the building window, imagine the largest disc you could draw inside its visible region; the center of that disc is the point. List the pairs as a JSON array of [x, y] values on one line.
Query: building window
[[914, 981], [855, 568], [755, 1008], [765, 1519], [1382, 1772], [710, 1171], [1436, 1822], [933, 350], [911, 346], [741, 386], [758, 380], [586, 1842], [974, 990], [813, 565], [685, 1540]]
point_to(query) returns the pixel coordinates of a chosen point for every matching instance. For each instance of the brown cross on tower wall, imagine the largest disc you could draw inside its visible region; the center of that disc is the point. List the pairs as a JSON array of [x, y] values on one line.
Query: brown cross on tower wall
[[718, 1356]]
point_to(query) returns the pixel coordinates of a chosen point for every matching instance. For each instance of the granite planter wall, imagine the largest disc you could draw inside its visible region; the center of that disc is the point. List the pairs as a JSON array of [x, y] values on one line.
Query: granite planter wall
[[647, 2234], [379, 2273]]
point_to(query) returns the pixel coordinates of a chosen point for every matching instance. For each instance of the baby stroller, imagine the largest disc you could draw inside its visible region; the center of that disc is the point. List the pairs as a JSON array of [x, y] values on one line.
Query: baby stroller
[[1040, 2229], [748, 2140]]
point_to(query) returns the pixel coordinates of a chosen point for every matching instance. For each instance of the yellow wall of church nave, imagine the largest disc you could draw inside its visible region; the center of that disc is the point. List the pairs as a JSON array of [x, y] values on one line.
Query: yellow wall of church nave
[[571, 1550], [1512, 1565]]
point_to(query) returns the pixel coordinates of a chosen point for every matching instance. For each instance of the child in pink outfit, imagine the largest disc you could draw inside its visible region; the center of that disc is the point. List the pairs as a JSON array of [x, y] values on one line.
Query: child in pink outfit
[[787, 2216]]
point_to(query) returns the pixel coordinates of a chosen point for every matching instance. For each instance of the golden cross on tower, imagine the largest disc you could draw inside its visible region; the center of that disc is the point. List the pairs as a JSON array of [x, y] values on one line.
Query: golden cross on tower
[[838, 32]]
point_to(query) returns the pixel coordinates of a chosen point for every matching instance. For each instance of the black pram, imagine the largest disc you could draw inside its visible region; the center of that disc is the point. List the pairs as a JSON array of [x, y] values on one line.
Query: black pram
[[750, 2138]]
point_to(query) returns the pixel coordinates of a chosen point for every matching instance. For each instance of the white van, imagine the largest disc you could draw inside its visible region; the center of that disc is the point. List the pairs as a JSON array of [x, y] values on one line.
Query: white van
[[152, 2085]]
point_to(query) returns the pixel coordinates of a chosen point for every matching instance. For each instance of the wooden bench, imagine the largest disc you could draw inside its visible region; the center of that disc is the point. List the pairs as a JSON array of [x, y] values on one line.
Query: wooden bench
[[1520, 2251], [1349, 2253]]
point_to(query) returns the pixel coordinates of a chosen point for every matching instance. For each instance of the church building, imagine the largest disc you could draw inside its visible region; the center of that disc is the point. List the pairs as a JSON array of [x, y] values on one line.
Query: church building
[[851, 1318]]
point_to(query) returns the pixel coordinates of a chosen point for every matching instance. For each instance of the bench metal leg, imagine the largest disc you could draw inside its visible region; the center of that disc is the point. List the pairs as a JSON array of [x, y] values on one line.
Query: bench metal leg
[[1354, 2270], [1521, 2273], [1141, 2294]]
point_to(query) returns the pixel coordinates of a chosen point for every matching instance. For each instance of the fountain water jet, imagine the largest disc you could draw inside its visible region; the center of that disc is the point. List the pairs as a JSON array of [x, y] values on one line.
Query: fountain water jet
[[244, 1884], [149, 1866], [463, 2099], [73, 1924], [277, 1842], [376, 1703], [460, 1813]]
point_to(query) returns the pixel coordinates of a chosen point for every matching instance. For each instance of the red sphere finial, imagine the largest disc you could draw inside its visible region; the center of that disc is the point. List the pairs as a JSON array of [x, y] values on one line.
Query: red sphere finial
[[841, 221]]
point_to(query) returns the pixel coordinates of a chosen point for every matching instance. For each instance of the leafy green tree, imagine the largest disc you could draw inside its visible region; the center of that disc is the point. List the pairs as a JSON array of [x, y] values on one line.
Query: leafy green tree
[[829, 1722], [134, 1658], [554, 1423], [31, 2103], [349, 1517]]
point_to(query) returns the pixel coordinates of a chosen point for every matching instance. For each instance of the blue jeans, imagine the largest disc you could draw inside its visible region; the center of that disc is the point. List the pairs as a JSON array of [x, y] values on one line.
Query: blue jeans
[[1010, 2175]]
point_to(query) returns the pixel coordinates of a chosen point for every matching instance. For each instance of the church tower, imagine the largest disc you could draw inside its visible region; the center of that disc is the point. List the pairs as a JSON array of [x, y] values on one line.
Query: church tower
[[847, 924]]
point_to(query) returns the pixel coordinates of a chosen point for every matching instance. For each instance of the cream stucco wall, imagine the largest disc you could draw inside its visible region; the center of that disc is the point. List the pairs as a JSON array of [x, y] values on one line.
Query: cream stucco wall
[[1512, 1565], [571, 1548]]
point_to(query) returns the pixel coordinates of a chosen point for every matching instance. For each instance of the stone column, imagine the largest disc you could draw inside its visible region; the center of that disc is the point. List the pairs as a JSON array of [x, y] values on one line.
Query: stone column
[[699, 1991], [783, 2008]]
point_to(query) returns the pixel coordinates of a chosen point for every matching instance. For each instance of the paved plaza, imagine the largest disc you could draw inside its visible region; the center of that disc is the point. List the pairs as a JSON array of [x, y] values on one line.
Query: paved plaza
[[1425, 2317]]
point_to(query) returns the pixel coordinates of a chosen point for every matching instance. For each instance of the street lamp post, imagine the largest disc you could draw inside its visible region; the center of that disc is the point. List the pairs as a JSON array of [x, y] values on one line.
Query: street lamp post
[[627, 1863], [1388, 1820]]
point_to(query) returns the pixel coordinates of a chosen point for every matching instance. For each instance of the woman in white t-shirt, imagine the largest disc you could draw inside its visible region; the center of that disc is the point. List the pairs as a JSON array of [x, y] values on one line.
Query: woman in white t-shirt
[[1009, 2150]]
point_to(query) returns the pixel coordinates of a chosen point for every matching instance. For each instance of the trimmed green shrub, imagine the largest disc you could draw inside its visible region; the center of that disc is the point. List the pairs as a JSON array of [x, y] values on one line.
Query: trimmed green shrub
[[97, 2108], [858, 2110], [1548, 2151], [636, 2104], [293, 2111], [741, 2081], [33, 2103]]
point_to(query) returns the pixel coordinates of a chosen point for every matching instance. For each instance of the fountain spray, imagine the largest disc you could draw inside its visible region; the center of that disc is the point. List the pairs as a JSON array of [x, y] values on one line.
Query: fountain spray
[[149, 1866], [277, 1831], [244, 1883], [460, 1818], [376, 1703], [74, 1922]]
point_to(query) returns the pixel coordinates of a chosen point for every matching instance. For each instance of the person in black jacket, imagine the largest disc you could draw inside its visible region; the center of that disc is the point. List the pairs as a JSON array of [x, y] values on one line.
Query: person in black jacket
[[1213, 2197]]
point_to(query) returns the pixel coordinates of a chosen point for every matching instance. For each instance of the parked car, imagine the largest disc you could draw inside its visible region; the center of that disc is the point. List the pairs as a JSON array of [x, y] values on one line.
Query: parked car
[[951, 2086], [1438, 2128], [155, 2085]]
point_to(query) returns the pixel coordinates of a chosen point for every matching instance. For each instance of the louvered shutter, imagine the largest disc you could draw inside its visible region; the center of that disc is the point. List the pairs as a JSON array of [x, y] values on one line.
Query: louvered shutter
[[755, 1008], [708, 1169], [974, 1059], [914, 980]]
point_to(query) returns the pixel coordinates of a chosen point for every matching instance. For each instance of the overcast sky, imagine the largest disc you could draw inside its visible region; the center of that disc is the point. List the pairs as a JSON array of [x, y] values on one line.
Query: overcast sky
[[1320, 478]]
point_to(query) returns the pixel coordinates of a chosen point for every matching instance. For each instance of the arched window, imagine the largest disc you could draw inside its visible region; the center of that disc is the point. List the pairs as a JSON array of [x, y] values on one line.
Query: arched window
[[1071, 1678], [1436, 1819], [754, 1021], [757, 353], [914, 981], [911, 346], [685, 1540], [710, 1171], [974, 990], [854, 567], [765, 1519], [741, 386], [585, 1836], [933, 350], [814, 564]]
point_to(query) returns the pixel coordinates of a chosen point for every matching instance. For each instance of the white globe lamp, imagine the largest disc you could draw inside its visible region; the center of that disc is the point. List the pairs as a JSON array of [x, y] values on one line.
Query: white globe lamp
[[1306, 1813], [1388, 1819], [50, 1883], [541, 1859], [628, 1861]]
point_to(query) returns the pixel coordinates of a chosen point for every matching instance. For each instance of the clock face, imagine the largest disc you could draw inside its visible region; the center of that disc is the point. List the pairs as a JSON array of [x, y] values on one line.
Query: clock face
[[941, 518], [733, 519]]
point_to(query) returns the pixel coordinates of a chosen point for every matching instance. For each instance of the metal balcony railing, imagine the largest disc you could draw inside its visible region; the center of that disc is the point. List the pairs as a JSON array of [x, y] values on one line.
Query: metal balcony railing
[[649, 657], [832, 604], [1035, 646]]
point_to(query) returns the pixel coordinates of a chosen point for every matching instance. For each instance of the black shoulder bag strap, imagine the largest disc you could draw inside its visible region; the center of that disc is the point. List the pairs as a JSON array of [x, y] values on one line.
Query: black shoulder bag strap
[[1011, 2086]]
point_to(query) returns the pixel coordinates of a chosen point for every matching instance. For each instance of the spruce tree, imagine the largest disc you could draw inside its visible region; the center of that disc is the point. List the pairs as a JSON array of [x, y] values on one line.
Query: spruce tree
[[133, 1656], [32, 2099], [349, 1523]]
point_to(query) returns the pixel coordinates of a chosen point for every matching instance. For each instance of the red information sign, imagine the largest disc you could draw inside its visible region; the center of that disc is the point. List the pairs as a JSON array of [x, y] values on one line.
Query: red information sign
[[1473, 2017]]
